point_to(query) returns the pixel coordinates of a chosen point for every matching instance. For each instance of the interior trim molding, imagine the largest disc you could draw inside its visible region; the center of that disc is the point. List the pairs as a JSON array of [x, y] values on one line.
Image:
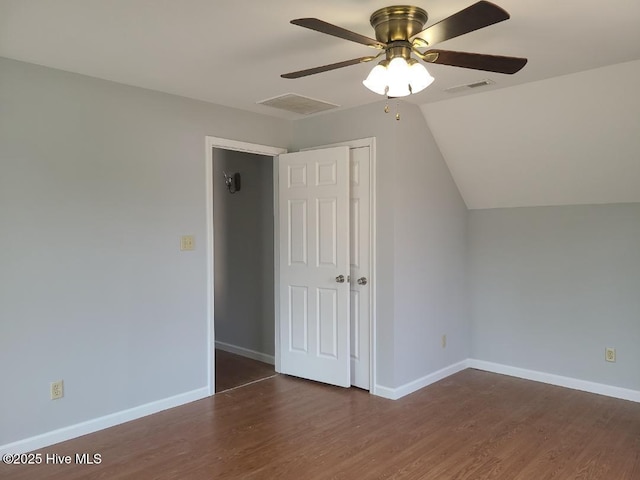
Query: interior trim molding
[[246, 352], [100, 423], [384, 392], [525, 374], [557, 380], [415, 385], [238, 146]]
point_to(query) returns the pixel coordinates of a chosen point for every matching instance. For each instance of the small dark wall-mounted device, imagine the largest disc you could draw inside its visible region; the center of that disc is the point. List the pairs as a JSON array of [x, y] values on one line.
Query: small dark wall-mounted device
[[232, 181]]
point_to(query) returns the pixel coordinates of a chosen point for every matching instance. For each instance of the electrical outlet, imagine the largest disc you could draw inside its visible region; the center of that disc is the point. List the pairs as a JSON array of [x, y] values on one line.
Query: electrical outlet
[[57, 390], [187, 242], [610, 354], [444, 341]]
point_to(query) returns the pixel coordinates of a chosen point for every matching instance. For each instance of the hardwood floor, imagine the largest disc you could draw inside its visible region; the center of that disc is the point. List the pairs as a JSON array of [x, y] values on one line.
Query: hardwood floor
[[473, 425], [234, 370]]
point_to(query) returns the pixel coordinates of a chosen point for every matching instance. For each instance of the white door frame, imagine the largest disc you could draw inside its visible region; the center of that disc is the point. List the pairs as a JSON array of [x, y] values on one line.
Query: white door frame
[[371, 143], [211, 143], [267, 150]]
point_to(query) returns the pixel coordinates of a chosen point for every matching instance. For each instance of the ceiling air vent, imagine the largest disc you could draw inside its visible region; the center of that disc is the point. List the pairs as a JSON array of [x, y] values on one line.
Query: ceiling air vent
[[469, 86], [298, 104]]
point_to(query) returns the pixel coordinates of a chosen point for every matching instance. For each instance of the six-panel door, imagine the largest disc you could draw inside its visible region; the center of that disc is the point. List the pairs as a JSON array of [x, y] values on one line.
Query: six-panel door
[[315, 265]]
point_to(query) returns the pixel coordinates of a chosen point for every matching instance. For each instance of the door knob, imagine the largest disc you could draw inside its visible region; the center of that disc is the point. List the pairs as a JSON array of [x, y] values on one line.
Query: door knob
[[340, 279], [362, 281]]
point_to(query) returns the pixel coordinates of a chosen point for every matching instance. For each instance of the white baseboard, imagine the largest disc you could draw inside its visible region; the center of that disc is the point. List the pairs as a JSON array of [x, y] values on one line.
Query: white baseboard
[[558, 380], [384, 392], [100, 423], [549, 378], [245, 352], [407, 388]]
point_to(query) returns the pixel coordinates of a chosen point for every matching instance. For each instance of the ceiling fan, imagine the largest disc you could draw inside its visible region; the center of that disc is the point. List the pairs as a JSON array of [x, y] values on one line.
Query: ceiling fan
[[400, 32]]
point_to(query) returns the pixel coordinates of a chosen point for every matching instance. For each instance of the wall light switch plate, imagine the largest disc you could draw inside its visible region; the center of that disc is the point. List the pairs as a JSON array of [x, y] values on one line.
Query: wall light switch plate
[[187, 242]]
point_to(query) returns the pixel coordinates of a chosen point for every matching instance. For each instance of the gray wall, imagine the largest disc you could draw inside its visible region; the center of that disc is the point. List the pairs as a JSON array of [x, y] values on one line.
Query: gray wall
[[97, 183], [421, 250], [553, 286], [243, 246], [430, 225]]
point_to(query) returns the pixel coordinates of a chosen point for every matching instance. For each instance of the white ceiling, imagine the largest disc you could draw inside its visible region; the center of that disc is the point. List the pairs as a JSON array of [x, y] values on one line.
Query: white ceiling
[[232, 52]]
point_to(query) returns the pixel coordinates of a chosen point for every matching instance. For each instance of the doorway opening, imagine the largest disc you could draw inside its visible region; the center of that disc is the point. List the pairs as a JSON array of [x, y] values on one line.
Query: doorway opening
[[361, 158], [240, 257], [244, 316]]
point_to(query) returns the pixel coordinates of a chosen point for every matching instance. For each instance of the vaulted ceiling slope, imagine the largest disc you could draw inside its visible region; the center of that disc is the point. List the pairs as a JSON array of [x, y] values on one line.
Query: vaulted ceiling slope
[[568, 140], [233, 52]]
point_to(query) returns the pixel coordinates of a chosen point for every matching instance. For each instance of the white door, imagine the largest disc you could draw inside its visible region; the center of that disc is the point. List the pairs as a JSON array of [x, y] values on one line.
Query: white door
[[314, 265], [359, 217]]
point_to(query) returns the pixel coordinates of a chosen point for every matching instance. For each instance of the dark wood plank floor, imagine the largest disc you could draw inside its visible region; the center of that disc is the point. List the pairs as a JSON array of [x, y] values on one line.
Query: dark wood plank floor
[[473, 425], [234, 370]]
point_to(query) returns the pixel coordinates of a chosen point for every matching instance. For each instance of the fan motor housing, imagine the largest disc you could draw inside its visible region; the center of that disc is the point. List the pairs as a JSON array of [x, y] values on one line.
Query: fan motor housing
[[397, 23]]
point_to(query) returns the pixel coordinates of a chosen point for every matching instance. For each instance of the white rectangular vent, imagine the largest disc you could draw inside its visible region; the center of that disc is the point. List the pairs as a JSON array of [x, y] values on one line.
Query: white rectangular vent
[[292, 102], [469, 86]]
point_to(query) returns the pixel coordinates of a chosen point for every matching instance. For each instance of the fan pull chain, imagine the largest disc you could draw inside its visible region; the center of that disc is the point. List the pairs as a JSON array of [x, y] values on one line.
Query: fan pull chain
[[386, 109]]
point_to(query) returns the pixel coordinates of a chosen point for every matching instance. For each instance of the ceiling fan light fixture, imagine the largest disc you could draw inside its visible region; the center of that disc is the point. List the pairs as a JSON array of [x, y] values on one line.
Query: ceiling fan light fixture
[[398, 78], [376, 81], [396, 35], [419, 77]]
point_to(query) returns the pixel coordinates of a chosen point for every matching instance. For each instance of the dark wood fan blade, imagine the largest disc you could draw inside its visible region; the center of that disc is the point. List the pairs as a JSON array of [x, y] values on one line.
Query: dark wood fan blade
[[476, 61], [324, 27], [326, 68], [478, 15]]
